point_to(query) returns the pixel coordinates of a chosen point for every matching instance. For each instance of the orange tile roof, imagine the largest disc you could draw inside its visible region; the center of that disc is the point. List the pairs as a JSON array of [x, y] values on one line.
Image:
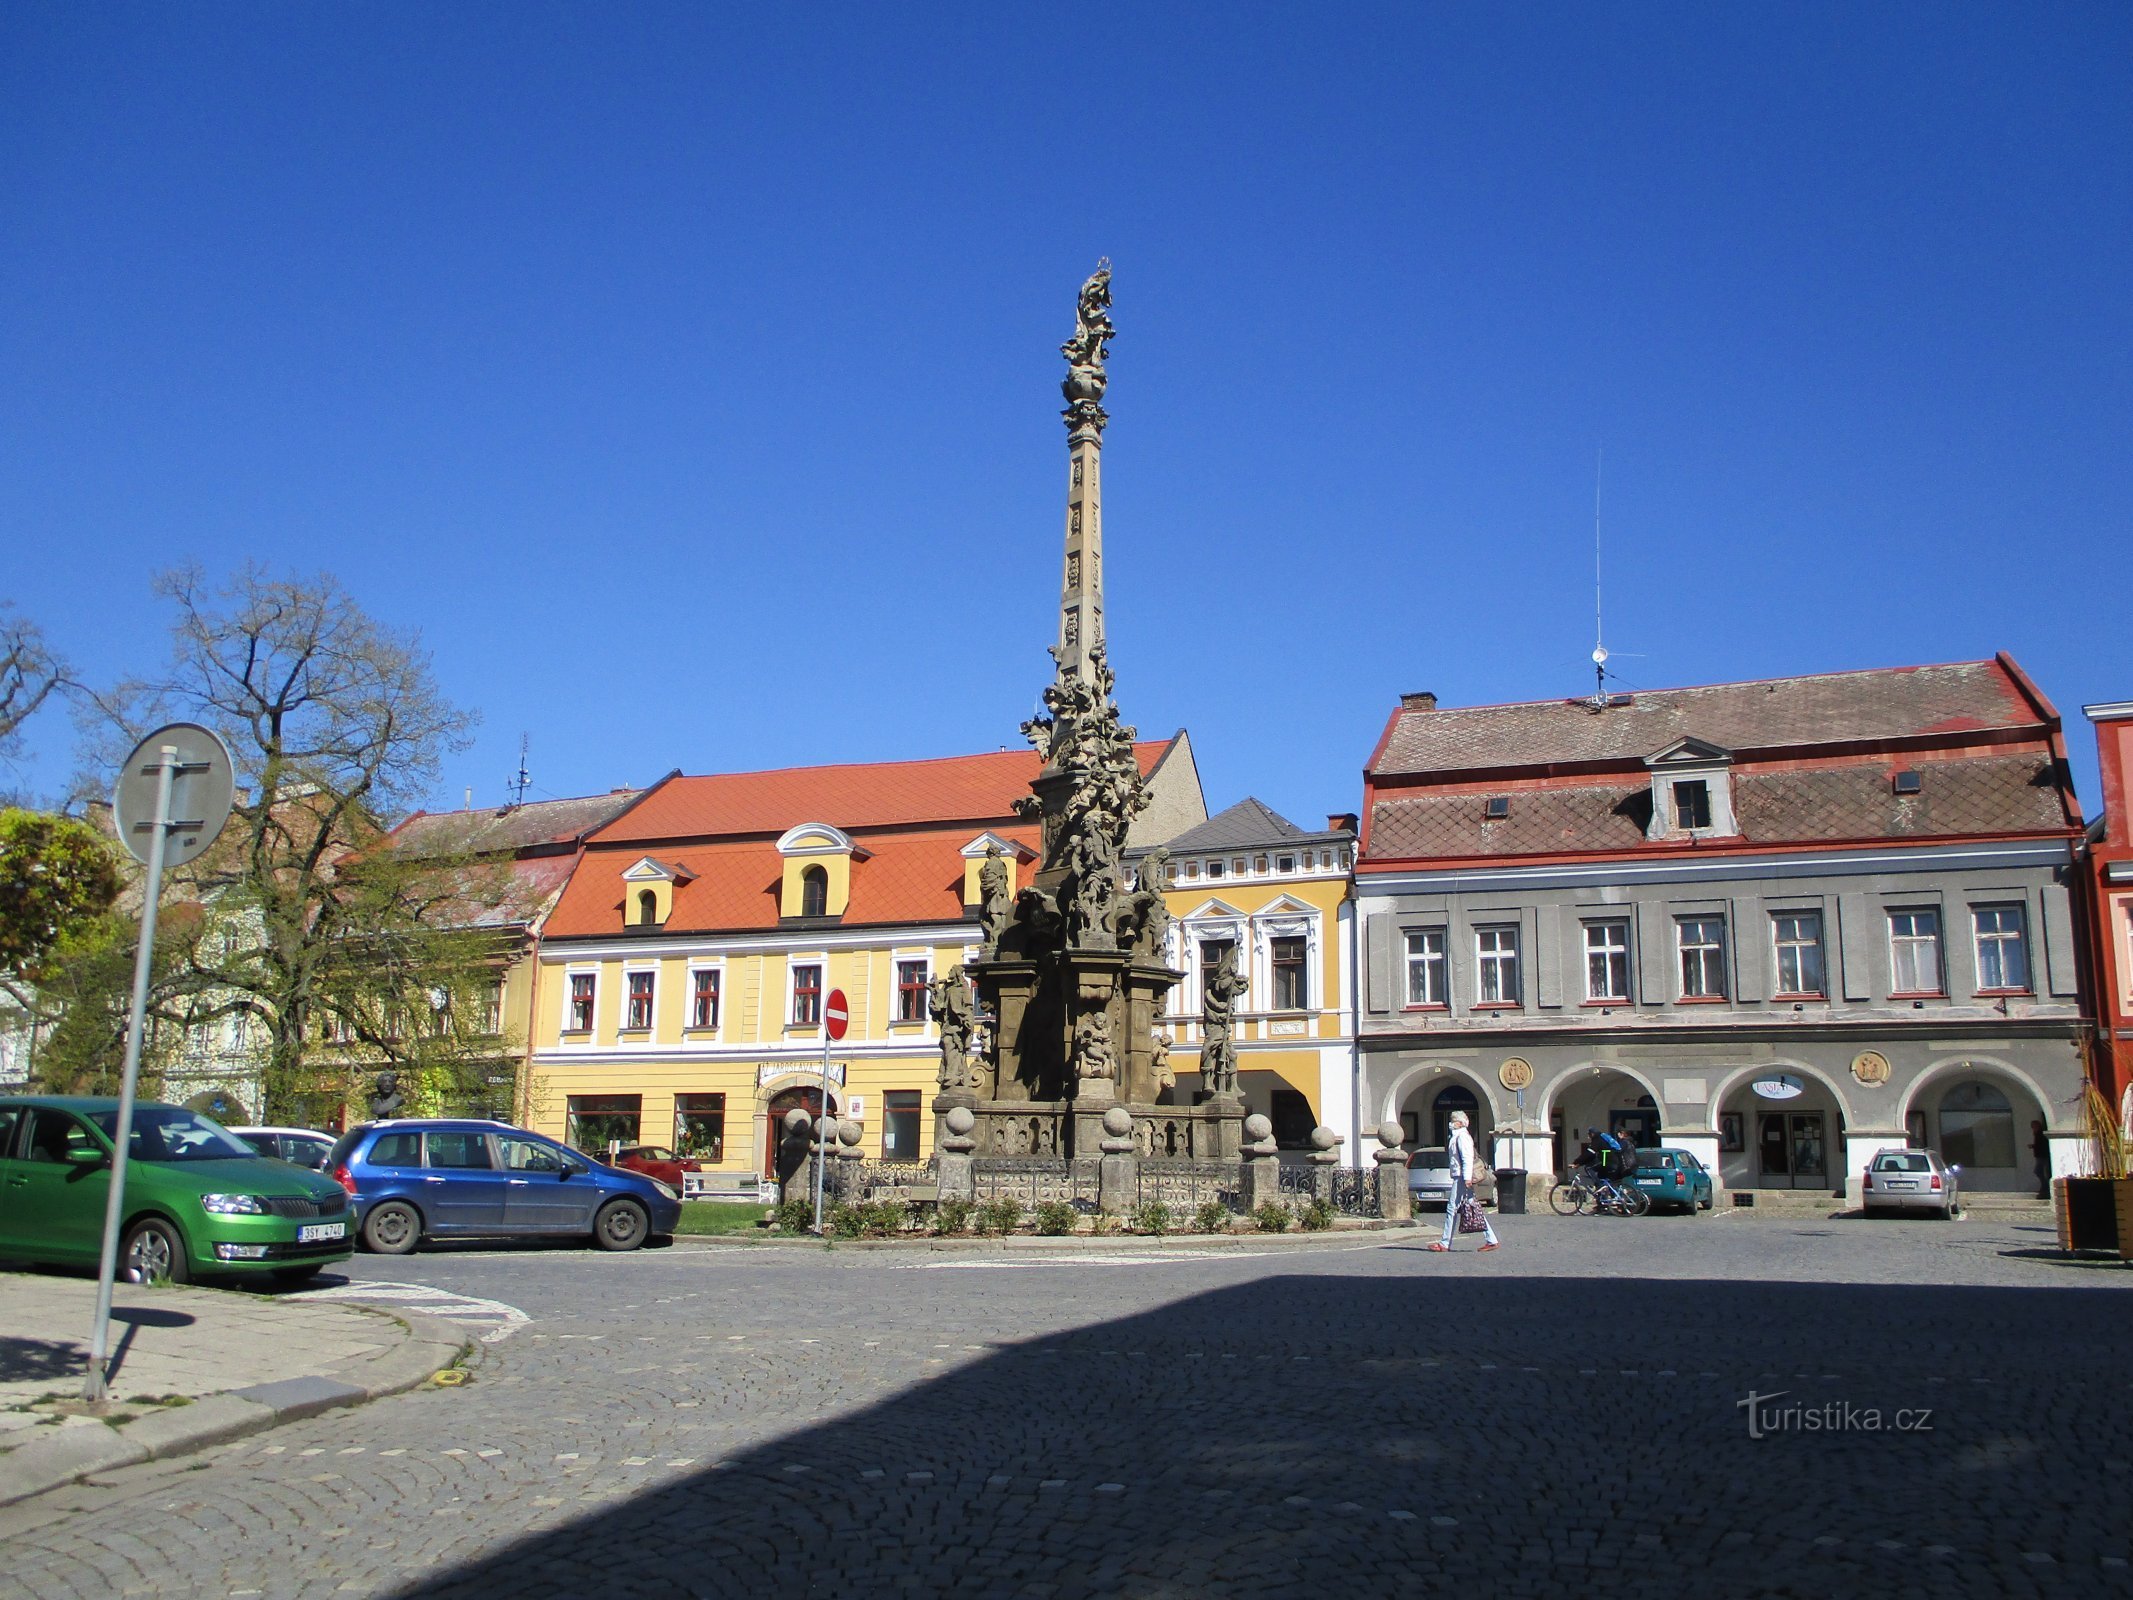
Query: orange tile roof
[[881, 794]]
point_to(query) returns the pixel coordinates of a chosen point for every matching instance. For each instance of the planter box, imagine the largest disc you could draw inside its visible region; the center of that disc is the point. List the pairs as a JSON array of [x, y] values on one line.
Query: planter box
[[2091, 1213], [2124, 1190]]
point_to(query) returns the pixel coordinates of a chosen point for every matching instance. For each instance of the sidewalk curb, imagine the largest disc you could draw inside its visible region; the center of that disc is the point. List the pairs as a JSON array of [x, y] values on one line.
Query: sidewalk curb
[[71, 1454]]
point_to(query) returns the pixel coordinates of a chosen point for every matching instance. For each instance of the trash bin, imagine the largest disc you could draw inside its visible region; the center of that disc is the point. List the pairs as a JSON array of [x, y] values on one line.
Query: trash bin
[[1511, 1191]]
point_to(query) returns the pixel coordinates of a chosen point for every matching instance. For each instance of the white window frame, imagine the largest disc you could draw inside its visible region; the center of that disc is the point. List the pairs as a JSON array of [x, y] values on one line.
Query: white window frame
[[689, 1024], [1779, 944], [1611, 953], [1710, 956], [1425, 961], [629, 996], [571, 975], [1493, 961], [2017, 936], [898, 960], [793, 964], [1901, 944]]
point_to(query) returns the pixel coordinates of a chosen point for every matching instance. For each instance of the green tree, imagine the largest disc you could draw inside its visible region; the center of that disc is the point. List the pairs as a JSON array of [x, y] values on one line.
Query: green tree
[[56, 873], [335, 724]]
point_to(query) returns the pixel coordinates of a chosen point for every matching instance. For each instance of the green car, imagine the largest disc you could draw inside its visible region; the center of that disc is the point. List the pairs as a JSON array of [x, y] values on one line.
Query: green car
[[198, 1202]]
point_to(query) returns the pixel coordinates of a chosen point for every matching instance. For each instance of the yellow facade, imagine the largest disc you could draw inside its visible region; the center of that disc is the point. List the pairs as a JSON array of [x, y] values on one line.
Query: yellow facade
[[757, 1053]]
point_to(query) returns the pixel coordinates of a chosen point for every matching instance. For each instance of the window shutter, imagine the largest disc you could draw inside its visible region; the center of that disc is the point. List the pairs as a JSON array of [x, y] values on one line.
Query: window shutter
[[1858, 933], [2058, 942], [1548, 960], [1655, 949], [1748, 948], [1378, 937]]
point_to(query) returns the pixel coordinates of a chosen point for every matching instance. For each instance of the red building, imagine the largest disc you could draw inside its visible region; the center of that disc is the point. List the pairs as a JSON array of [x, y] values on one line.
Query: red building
[[2109, 893]]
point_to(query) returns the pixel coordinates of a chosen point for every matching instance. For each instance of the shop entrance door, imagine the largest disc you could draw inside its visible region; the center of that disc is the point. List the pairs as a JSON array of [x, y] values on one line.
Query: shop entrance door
[[804, 1099], [1792, 1151]]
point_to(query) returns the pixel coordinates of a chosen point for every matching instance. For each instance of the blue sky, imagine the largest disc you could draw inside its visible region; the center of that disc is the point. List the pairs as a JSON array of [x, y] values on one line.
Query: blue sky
[[687, 375]]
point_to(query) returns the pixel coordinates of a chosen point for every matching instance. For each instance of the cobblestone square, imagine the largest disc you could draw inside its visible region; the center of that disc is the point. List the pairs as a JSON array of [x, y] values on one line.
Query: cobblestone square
[[1273, 1417]]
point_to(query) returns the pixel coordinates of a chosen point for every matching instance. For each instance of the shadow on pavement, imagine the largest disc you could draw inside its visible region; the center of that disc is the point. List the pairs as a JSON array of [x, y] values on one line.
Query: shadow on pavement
[[40, 1360], [1486, 1434]]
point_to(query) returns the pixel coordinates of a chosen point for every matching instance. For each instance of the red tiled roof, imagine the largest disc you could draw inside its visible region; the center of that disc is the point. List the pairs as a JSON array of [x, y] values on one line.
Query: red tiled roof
[[520, 827], [912, 875], [883, 794], [1838, 803], [1879, 706]]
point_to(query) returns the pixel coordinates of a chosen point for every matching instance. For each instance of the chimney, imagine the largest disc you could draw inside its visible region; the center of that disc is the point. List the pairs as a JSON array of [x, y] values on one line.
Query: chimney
[[1340, 822], [1420, 700]]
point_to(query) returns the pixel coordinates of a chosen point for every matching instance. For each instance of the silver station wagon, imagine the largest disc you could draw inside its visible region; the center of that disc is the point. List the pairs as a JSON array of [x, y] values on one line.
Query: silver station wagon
[[1910, 1180]]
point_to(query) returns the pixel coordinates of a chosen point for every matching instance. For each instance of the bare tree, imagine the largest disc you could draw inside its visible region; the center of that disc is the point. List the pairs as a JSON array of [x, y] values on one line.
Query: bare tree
[[29, 673], [335, 723]]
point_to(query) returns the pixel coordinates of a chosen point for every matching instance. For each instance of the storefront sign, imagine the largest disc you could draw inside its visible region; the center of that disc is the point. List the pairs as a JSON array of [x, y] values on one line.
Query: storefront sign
[[767, 1070], [1870, 1067], [1515, 1074], [1778, 1086]]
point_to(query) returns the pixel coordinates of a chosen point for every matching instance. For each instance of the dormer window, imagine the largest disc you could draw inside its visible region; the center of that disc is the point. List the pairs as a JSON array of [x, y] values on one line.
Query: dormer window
[[1692, 803], [648, 892], [647, 908], [816, 881], [814, 891], [1692, 791]]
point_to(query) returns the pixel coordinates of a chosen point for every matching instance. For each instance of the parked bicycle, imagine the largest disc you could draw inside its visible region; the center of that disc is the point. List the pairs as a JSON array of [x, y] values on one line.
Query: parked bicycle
[[1586, 1191]]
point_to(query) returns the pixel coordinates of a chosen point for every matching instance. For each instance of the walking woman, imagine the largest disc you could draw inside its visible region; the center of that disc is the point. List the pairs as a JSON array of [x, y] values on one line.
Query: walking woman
[[1466, 1171]]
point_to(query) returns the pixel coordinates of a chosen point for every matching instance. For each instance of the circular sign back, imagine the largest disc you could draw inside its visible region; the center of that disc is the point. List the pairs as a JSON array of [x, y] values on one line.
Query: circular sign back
[[1778, 1086], [836, 1015], [1870, 1067], [1515, 1074], [203, 784]]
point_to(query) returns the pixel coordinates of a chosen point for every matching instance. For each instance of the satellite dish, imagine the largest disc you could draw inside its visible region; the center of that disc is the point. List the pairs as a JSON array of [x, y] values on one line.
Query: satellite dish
[[1599, 655]]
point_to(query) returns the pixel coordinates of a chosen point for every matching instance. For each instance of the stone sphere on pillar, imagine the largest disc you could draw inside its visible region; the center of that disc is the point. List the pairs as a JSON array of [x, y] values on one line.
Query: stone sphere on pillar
[[849, 1131], [1118, 1122], [961, 1119], [1390, 1135], [1257, 1126], [1324, 1138], [797, 1120]]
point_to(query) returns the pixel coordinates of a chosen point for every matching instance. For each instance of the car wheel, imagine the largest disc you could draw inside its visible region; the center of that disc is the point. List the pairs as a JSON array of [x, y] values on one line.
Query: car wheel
[[621, 1225], [294, 1277], [392, 1229], [153, 1253]]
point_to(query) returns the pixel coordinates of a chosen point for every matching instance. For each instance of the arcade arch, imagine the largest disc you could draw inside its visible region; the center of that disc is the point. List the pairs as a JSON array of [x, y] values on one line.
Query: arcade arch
[[1983, 1116], [1423, 1099]]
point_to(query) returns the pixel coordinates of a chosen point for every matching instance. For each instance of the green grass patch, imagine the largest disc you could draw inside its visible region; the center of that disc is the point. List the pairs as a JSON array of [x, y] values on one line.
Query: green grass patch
[[719, 1216]]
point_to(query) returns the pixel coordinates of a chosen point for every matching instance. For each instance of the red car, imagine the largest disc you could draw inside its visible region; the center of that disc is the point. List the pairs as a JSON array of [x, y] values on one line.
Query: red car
[[656, 1161]]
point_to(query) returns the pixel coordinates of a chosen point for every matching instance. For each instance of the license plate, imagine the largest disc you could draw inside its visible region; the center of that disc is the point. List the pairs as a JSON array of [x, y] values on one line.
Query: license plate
[[1902, 1183], [314, 1232]]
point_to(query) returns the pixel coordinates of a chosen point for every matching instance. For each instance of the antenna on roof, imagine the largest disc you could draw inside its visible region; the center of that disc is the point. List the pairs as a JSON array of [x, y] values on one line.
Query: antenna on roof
[[521, 781], [1599, 631]]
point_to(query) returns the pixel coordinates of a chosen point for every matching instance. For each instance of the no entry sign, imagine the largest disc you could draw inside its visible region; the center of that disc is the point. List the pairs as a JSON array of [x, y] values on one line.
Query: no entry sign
[[835, 1014]]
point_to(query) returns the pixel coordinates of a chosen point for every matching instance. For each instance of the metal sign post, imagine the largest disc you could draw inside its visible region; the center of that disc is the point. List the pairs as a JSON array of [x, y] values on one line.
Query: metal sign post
[[836, 1014], [185, 763]]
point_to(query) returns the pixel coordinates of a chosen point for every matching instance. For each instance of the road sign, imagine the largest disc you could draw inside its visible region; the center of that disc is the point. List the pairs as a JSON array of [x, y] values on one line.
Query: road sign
[[203, 782], [836, 1015]]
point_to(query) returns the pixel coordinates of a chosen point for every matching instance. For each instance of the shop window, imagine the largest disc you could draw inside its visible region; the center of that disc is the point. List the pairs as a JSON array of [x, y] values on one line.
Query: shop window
[[700, 1126], [899, 1125], [640, 1001], [806, 995], [703, 1002], [911, 994], [596, 1121], [1291, 985], [814, 892], [580, 1019], [1290, 1112], [1976, 1127], [2002, 952]]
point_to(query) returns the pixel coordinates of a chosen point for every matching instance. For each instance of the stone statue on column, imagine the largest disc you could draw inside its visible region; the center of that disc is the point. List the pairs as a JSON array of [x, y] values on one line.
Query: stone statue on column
[[1218, 1046]]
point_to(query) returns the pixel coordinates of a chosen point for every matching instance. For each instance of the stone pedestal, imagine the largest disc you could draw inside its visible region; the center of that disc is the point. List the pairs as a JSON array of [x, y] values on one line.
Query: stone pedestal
[[1118, 1172], [1224, 1127], [1395, 1204], [1261, 1165], [952, 1155], [1325, 1161]]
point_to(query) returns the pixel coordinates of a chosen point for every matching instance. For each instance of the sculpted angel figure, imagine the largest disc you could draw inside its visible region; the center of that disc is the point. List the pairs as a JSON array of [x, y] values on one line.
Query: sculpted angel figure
[[1092, 1048], [1092, 321]]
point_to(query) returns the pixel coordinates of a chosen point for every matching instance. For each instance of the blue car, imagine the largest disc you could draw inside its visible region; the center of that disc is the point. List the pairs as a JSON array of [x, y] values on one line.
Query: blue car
[[454, 1178], [1674, 1178]]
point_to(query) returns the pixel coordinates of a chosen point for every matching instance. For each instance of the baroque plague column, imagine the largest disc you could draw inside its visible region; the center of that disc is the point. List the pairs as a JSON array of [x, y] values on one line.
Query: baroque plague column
[[1072, 974]]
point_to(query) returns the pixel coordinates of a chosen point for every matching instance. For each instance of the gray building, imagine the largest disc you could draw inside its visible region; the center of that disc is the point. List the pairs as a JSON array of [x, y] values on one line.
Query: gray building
[[1782, 924]]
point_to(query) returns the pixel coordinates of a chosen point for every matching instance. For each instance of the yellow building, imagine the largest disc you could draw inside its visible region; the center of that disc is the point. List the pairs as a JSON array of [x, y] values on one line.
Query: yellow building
[[683, 975], [1251, 881]]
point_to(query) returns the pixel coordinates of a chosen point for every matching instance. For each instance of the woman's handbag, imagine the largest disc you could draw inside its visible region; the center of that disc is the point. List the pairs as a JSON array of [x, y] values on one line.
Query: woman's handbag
[[1470, 1218]]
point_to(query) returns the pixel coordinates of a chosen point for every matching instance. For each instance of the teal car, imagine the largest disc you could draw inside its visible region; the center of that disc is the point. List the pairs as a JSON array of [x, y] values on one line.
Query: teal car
[[199, 1203], [1675, 1178]]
